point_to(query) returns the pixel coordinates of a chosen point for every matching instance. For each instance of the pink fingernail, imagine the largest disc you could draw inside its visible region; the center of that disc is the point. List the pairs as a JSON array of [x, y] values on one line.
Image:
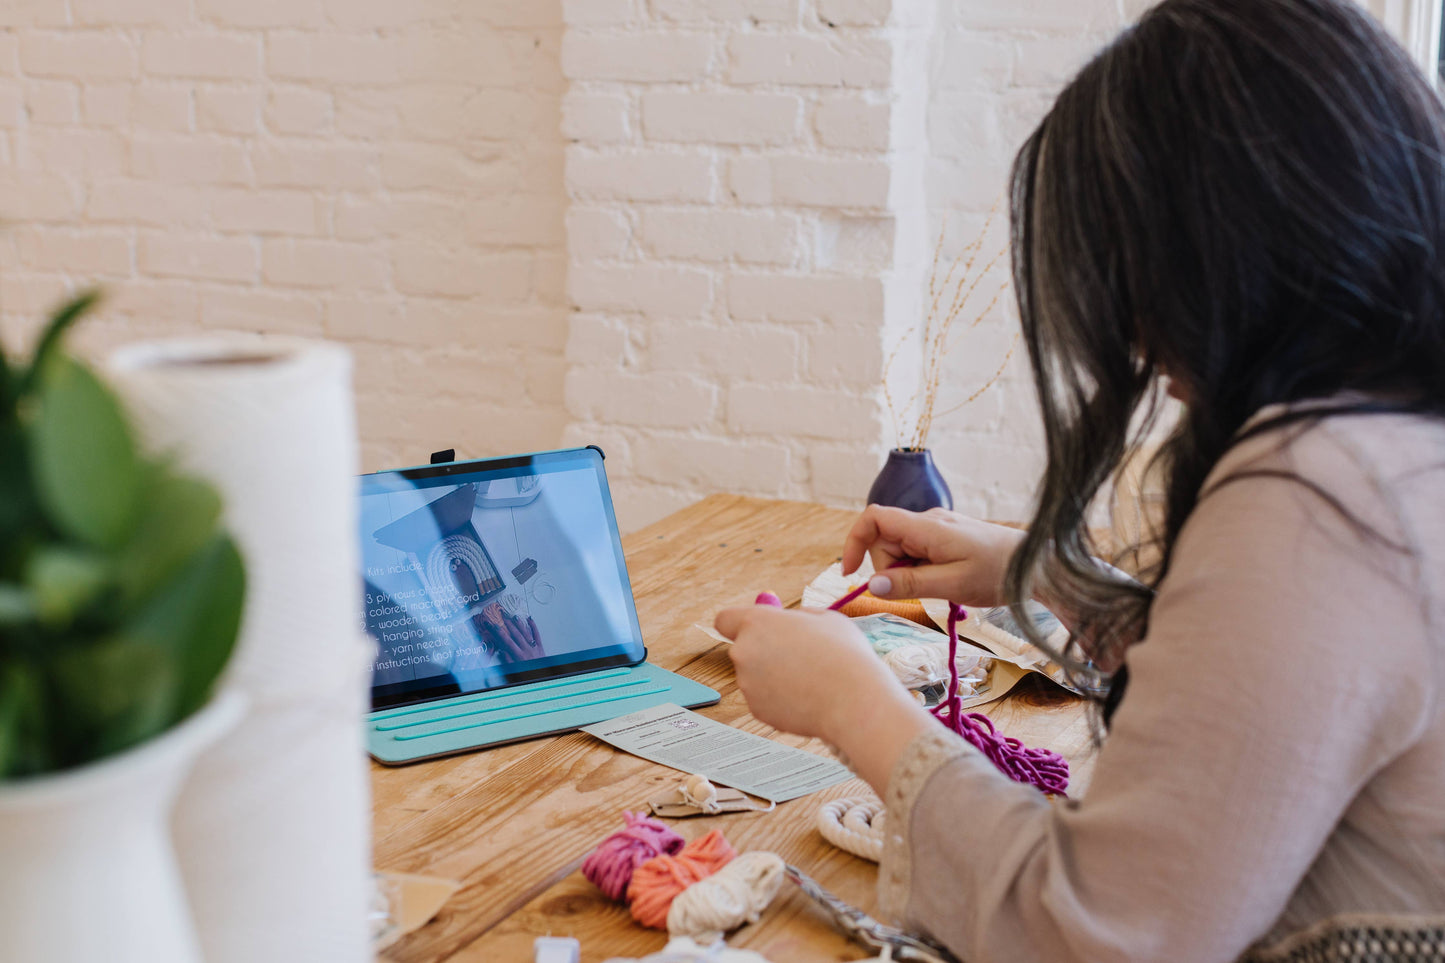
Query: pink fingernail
[[880, 585]]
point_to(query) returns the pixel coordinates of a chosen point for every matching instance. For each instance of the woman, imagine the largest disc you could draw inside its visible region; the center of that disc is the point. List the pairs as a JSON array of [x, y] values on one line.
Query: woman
[[1244, 199]]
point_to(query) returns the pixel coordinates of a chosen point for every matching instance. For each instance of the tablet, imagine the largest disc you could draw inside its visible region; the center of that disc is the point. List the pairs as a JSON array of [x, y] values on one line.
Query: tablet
[[486, 574]]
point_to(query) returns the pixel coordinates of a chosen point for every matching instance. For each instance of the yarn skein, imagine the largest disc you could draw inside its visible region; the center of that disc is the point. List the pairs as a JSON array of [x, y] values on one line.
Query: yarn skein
[[610, 867], [658, 881], [1044, 769], [736, 894]]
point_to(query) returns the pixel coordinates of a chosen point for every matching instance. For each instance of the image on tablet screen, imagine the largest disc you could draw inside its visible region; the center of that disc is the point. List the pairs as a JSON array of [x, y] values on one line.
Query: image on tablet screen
[[475, 581]]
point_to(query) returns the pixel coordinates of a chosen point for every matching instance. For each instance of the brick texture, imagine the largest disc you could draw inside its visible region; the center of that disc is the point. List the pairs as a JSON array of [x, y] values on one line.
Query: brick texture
[[689, 231], [385, 174], [755, 190], [995, 70], [715, 144]]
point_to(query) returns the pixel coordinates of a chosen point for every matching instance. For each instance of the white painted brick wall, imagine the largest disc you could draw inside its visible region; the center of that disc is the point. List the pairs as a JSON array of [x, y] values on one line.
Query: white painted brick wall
[[384, 173], [732, 232], [996, 68], [686, 230], [755, 188]]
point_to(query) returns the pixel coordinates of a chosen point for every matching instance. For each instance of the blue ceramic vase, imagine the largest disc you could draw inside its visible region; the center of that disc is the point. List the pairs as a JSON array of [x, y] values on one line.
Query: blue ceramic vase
[[910, 480]]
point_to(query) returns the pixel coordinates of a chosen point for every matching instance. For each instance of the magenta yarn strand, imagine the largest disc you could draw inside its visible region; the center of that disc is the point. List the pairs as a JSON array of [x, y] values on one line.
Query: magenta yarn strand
[[609, 867], [1043, 769], [856, 593]]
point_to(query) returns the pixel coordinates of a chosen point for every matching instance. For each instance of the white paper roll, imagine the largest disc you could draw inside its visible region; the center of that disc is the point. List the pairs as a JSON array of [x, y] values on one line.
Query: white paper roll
[[273, 828]]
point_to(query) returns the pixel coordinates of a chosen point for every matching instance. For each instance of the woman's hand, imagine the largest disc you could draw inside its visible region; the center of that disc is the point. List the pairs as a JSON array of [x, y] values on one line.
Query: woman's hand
[[961, 559], [811, 672]]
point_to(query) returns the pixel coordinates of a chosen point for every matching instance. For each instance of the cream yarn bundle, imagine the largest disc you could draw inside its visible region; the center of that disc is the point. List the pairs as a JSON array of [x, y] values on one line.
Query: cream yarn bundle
[[736, 894]]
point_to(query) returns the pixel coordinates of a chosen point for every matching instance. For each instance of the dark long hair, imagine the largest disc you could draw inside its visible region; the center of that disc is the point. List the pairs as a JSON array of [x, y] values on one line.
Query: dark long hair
[[1250, 196]]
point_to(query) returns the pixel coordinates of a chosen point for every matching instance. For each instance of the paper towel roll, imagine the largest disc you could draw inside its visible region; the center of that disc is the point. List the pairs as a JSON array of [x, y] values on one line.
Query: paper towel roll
[[273, 828]]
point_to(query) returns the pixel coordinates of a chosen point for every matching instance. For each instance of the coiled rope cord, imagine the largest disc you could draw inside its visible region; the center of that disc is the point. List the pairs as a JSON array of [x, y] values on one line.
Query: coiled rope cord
[[854, 825]]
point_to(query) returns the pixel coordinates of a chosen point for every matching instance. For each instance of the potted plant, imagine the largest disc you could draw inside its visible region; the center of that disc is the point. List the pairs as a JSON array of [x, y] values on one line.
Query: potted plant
[[120, 601]]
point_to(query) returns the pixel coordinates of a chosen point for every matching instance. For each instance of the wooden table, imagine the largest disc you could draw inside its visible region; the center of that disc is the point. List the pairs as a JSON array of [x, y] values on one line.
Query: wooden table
[[512, 824]]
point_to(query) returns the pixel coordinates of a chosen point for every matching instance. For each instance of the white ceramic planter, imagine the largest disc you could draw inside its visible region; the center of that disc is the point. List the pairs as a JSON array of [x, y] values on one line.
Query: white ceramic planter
[[87, 868]]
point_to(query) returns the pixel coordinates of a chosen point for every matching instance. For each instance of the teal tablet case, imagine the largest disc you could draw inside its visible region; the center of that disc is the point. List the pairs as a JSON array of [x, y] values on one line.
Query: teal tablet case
[[463, 723]]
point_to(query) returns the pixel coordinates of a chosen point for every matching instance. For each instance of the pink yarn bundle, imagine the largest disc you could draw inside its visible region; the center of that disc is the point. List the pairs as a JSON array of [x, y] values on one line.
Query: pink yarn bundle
[[1042, 768], [610, 866]]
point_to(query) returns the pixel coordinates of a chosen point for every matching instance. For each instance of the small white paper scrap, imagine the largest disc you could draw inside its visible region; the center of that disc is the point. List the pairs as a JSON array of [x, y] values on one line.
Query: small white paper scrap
[[673, 736]]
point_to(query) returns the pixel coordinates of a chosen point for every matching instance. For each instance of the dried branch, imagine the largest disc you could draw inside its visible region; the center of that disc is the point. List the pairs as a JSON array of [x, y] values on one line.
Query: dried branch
[[950, 292]]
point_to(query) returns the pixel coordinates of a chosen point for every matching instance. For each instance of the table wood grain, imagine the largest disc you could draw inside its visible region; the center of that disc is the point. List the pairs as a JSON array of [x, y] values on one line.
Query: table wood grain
[[512, 824]]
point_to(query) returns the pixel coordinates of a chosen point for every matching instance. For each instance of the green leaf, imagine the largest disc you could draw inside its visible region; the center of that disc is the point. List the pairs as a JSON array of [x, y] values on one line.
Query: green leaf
[[7, 398], [11, 695], [85, 468], [64, 580], [16, 605], [60, 322], [195, 618], [178, 515], [17, 497], [23, 749], [114, 693]]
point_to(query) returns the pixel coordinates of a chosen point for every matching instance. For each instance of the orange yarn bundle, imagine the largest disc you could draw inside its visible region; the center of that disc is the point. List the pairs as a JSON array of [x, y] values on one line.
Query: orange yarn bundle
[[867, 604], [656, 882]]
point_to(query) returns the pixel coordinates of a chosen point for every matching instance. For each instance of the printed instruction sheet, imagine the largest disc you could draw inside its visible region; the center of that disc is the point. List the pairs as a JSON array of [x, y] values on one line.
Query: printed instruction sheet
[[675, 737]]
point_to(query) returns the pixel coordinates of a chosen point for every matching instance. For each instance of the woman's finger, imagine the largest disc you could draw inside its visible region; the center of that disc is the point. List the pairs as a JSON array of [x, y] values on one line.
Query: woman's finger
[[520, 628], [730, 622], [920, 582], [512, 644], [869, 535], [488, 636], [889, 534]]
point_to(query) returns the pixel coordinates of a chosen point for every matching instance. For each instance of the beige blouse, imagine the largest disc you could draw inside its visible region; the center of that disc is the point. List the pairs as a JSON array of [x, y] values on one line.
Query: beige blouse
[[1279, 759]]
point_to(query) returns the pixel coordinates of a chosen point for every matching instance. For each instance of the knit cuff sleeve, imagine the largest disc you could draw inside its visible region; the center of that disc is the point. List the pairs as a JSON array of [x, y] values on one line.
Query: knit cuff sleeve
[[920, 761]]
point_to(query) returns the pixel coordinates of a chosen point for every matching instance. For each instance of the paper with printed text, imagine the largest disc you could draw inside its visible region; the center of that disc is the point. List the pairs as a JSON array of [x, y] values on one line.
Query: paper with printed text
[[675, 737]]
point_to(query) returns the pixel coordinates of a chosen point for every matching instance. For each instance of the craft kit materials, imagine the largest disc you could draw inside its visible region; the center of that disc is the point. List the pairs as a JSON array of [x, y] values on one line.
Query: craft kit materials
[[1011, 662], [610, 866], [524, 570], [556, 949], [736, 894], [697, 791], [272, 830], [696, 796], [657, 882], [683, 949], [675, 737], [854, 825], [870, 604], [862, 928], [918, 656], [1042, 768]]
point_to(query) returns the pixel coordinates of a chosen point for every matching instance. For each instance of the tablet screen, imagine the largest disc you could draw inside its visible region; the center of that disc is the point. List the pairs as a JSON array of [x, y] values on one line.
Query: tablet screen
[[490, 573]]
